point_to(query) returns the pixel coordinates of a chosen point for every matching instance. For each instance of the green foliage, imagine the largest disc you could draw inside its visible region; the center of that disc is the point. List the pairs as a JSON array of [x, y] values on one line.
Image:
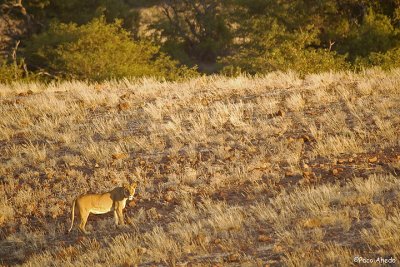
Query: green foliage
[[312, 36], [7, 72], [280, 49], [285, 57], [81, 12], [98, 51], [11, 72], [388, 60], [375, 34], [253, 36], [195, 31]]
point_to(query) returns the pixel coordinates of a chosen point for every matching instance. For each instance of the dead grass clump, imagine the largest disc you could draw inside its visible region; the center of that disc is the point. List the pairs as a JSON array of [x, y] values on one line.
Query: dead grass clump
[[385, 233], [6, 211], [189, 176], [193, 236], [328, 255], [295, 102], [335, 145], [162, 247], [220, 217], [34, 152], [125, 250]]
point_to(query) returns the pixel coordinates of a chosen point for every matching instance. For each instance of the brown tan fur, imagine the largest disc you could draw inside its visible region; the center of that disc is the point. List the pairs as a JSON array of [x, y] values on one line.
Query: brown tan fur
[[114, 200]]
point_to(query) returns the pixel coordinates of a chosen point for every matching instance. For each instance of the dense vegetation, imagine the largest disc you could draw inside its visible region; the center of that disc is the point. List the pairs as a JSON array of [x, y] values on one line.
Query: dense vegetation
[[170, 38]]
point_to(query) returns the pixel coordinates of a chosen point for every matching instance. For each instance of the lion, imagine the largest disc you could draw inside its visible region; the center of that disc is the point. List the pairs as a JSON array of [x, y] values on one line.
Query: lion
[[114, 200]]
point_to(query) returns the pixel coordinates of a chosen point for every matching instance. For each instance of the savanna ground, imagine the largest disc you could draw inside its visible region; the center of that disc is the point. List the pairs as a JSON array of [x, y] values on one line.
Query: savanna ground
[[272, 170]]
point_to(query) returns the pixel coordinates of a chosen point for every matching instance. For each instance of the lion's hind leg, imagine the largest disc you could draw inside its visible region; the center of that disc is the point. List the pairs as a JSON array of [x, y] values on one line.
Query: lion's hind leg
[[83, 216]]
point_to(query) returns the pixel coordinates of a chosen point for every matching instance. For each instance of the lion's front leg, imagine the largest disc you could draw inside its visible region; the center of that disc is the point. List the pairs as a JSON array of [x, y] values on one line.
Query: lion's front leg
[[115, 218], [120, 216]]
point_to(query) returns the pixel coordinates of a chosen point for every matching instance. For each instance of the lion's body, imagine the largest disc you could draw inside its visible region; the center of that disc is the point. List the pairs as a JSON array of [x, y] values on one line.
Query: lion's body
[[114, 200]]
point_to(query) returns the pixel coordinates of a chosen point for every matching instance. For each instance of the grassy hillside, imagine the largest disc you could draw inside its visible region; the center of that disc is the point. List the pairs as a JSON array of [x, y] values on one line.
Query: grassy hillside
[[270, 170]]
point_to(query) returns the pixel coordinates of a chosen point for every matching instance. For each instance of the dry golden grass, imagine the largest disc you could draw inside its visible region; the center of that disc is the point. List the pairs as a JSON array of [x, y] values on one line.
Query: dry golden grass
[[239, 171]]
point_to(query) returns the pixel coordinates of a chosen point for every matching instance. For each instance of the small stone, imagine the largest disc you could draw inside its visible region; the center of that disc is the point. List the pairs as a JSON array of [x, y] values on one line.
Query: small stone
[[235, 257], [204, 102], [98, 87], [335, 171], [124, 106], [312, 223], [141, 250], [223, 195], [217, 241], [168, 198], [288, 173], [264, 238], [373, 160], [277, 249], [306, 138], [29, 92], [127, 95], [305, 166], [119, 156]]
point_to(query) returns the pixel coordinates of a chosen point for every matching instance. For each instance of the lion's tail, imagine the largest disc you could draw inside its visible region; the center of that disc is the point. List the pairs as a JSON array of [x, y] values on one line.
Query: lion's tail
[[72, 215]]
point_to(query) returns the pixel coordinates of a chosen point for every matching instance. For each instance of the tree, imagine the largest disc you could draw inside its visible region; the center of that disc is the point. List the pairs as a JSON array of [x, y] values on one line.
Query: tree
[[80, 12], [271, 38], [311, 35], [279, 49], [98, 51], [374, 34], [194, 31]]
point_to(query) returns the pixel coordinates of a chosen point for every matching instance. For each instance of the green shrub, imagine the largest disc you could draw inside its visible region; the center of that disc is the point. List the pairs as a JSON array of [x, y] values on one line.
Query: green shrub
[[388, 60], [279, 49], [11, 72], [98, 51], [376, 34]]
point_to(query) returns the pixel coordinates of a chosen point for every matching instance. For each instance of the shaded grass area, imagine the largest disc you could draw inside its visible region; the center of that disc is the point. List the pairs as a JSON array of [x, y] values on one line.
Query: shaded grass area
[[267, 170]]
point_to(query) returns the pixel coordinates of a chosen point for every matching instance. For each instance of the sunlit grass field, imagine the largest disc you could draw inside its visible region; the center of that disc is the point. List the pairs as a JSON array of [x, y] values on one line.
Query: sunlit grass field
[[247, 171]]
